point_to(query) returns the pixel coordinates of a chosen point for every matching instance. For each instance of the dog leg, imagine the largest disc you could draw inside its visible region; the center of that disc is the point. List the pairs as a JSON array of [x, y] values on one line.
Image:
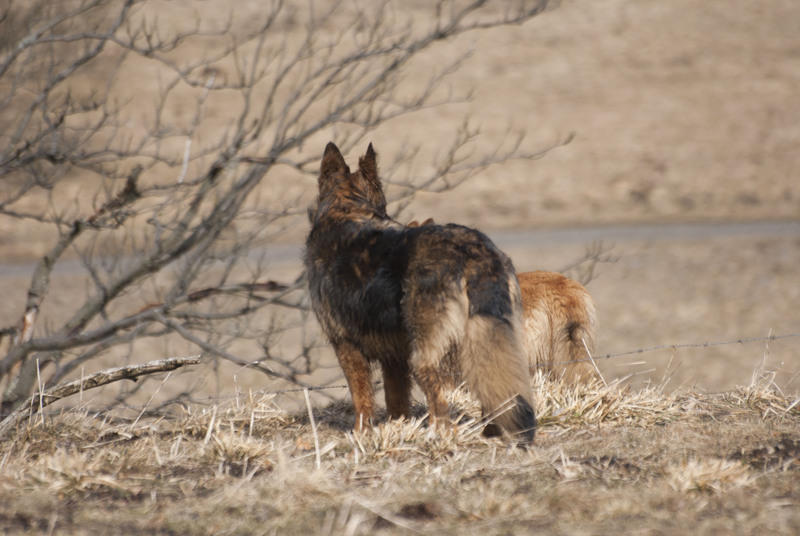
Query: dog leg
[[430, 381], [436, 316], [397, 387], [358, 374]]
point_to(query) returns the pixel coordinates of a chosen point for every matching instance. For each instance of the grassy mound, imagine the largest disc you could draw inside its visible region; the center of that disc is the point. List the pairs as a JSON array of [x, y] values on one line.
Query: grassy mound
[[606, 459]]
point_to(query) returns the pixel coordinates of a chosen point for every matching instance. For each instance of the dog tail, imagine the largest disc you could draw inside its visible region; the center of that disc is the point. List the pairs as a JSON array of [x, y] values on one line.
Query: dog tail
[[575, 343], [495, 368], [560, 324]]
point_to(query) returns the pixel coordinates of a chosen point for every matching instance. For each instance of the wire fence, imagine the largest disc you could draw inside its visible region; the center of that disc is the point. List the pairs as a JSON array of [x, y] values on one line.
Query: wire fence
[[766, 338], [638, 351], [218, 398]]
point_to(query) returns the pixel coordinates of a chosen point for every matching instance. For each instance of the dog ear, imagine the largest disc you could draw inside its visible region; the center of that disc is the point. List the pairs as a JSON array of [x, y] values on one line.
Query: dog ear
[[415, 223], [332, 160], [368, 169], [369, 166], [333, 165]]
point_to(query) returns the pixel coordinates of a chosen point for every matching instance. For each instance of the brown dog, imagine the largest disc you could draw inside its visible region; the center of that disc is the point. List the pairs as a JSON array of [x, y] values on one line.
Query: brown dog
[[560, 325], [424, 303], [559, 321]]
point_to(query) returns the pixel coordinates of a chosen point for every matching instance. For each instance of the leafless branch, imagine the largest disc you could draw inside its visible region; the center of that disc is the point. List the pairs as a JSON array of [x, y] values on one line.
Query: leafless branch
[[104, 377], [156, 165], [583, 270]]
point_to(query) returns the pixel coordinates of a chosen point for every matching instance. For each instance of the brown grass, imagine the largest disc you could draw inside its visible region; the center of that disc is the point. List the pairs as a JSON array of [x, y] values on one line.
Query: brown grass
[[607, 459]]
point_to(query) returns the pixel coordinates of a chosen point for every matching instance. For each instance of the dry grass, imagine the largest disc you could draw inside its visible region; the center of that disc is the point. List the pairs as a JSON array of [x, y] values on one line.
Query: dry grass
[[607, 459]]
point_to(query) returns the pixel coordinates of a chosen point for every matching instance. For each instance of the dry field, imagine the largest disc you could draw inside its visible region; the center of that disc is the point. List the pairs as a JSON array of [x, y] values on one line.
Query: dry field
[[684, 112], [607, 460]]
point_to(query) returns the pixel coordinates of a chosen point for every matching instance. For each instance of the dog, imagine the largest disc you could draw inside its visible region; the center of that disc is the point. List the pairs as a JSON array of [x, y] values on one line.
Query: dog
[[424, 303], [559, 324]]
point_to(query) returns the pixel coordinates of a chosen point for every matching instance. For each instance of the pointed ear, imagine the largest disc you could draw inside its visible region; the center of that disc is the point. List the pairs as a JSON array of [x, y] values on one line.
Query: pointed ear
[[368, 165], [332, 160], [333, 166]]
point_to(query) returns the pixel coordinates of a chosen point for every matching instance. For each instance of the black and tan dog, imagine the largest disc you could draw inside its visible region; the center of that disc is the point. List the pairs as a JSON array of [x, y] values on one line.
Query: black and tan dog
[[425, 303]]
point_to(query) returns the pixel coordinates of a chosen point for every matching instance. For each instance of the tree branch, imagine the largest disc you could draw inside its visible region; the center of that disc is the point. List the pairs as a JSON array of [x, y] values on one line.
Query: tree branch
[[104, 377], [223, 102]]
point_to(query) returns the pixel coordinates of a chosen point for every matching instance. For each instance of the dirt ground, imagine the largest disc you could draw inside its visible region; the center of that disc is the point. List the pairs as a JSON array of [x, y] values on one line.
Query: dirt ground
[[682, 110]]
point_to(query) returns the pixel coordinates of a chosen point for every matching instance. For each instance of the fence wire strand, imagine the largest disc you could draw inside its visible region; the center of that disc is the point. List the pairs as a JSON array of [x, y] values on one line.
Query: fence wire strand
[[767, 338], [638, 351]]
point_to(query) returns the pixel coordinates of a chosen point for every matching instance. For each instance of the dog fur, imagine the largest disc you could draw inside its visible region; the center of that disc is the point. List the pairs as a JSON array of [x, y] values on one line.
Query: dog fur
[[424, 303], [559, 321], [560, 325]]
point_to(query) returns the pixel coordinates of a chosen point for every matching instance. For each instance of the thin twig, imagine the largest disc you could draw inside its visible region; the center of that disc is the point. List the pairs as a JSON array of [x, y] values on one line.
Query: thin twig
[[152, 396], [210, 430]]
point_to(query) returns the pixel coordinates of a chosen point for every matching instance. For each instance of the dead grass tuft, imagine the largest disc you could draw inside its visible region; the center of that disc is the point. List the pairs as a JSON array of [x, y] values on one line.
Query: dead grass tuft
[[710, 475], [592, 403]]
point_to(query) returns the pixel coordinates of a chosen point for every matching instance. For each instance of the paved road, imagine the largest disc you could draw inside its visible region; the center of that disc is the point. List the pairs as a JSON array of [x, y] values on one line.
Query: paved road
[[643, 233], [287, 254]]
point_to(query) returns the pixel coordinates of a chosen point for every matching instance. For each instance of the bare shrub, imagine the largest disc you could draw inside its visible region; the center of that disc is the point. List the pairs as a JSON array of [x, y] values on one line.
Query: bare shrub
[[159, 164]]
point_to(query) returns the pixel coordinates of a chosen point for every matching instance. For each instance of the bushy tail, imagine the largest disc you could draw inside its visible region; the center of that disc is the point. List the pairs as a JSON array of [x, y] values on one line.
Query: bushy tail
[[574, 343], [495, 368], [559, 318]]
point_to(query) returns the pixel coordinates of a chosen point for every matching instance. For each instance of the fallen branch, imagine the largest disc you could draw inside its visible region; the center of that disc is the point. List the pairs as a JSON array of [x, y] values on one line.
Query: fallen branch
[[104, 377]]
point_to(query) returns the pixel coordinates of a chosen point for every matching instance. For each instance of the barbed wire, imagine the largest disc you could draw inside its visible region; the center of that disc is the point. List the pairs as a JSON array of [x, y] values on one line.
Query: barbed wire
[[766, 338], [638, 351]]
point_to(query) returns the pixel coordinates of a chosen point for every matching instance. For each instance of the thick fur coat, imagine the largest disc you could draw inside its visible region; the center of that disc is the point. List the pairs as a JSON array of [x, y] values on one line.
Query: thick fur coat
[[559, 320], [560, 325], [424, 303]]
